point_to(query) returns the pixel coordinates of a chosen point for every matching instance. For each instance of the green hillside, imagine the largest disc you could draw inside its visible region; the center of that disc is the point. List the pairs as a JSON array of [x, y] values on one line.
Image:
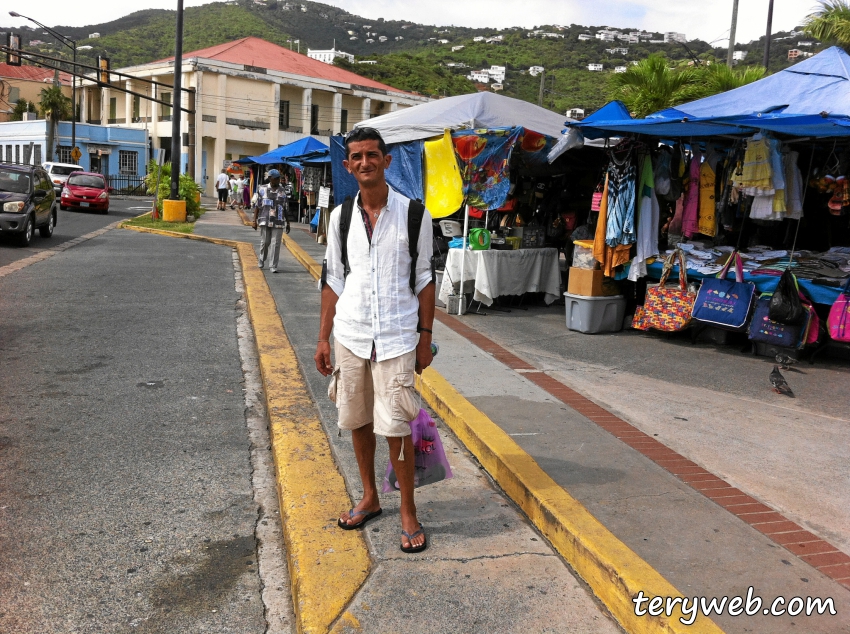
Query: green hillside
[[409, 56]]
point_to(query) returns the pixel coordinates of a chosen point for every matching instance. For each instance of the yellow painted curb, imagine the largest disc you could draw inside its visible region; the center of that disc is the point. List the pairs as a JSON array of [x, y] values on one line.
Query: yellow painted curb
[[327, 566], [313, 268], [615, 573]]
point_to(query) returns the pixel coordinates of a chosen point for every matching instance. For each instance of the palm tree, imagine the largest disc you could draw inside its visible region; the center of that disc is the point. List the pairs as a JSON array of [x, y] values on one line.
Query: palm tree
[[54, 107], [831, 23], [720, 78], [21, 106], [651, 85]]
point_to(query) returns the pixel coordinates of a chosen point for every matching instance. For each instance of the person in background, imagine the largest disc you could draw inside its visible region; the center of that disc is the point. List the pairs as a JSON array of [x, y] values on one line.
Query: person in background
[[222, 186], [246, 193], [270, 216], [232, 192], [240, 190]]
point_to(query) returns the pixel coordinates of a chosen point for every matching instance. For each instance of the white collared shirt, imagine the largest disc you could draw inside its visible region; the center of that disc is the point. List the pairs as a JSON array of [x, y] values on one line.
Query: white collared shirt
[[375, 302]]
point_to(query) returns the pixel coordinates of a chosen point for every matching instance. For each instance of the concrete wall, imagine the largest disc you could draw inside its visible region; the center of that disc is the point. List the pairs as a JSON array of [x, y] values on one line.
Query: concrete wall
[[29, 90]]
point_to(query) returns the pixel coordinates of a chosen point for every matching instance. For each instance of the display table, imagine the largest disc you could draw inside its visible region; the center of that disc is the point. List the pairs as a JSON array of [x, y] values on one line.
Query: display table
[[490, 274]]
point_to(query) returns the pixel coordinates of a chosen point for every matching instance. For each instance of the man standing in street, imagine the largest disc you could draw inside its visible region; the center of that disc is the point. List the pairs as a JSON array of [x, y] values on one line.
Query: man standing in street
[[222, 186], [379, 300], [270, 213]]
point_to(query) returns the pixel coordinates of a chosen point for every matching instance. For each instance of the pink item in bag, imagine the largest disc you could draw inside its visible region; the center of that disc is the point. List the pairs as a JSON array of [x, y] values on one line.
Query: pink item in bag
[[839, 316], [429, 457]]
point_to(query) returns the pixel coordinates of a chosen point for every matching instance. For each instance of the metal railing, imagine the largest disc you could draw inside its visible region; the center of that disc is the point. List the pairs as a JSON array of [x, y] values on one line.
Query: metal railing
[[127, 184]]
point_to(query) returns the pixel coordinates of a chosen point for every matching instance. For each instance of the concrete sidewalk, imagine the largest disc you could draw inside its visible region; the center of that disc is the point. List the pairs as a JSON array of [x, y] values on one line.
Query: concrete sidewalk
[[486, 568], [705, 548]]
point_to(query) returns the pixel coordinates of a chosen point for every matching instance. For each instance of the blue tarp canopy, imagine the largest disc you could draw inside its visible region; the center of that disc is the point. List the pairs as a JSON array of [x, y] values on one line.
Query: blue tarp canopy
[[404, 173], [307, 145], [811, 98]]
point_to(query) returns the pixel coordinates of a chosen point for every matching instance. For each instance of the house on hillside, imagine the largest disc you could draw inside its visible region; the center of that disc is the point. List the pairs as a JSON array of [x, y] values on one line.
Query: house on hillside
[[575, 113], [26, 82], [534, 71], [594, 67], [739, 56], [479, 76], [328, 56], [251, 96], [584, 37], [478, 38], [455, 49], [620, 69], [796, 53]]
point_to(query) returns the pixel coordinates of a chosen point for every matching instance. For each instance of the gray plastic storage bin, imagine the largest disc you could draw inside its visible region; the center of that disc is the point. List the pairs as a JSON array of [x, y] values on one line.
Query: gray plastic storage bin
[[595, 314]]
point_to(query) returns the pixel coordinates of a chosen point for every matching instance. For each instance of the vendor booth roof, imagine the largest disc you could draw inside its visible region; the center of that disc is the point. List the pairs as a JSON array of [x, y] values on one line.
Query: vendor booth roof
[[811, 98], [479, 110], [307, 145]]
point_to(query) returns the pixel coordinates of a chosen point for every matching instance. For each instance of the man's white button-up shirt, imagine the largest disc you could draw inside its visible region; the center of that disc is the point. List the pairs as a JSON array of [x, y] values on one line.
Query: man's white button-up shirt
[[376, 303]]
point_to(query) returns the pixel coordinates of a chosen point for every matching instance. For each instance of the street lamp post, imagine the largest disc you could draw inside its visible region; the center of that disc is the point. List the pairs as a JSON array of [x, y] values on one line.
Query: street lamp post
[[176, 141], [72, 44]]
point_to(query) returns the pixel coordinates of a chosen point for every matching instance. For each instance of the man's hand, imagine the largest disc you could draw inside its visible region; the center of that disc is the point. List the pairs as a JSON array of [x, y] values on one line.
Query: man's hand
[[323, 358], [254, 224], [423, 352]]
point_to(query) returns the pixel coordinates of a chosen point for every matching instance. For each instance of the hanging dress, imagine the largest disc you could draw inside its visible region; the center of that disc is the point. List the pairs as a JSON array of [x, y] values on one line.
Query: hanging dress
[[647, 226], [707, 207], [690, 214]]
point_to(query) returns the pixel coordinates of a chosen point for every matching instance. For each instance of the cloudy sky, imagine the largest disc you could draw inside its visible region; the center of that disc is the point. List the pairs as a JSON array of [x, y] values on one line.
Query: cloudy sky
[[704, 19]]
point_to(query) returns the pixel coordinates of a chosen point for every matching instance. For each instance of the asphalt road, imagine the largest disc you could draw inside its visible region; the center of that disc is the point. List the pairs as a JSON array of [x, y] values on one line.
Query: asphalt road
[[70, 225], [126, 500]]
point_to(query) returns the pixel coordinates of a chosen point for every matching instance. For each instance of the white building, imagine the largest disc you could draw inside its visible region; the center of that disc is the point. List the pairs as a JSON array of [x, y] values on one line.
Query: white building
[[534, 71], [620, 69], [443, 41], [328, 55], [796, 53], [553, 35], [478, 38], [494, 39], [594, 67], [250, 96], [739, 56], [584, 37], [672, 36], [368, 61], [94, 36], [575, 113], [382, 38], [607, 36], [497, 73], [457, 48], [615, 51], [479, 76], [497, 87], [805, 43]]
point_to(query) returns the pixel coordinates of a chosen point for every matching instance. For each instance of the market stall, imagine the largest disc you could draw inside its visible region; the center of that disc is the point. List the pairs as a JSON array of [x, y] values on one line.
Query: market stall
[[758, 172]]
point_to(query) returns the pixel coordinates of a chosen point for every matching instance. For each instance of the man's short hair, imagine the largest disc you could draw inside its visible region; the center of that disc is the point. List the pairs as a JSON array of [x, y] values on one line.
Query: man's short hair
[[364, 134]]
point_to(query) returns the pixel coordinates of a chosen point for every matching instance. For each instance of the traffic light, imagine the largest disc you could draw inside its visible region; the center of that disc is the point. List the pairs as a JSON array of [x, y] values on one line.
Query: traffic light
[[13, 52], [103, 66]]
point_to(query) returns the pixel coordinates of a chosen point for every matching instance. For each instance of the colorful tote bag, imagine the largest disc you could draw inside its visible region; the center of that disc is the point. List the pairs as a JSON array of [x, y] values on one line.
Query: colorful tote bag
[[764, 330], [724, 303], [667, 308], [839, 316]]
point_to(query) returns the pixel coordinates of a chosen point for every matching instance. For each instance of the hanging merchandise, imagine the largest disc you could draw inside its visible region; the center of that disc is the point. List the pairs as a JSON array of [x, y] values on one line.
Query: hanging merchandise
[[484, 157], [839, 316], [647, 226], [610, 258], [312, 178], [785, 305], [723, 303], [620, 224], [667, 308], [793, 187], [707, 222], [443, 185], [763, 329], [479, 239], [690, 212], [662, 171]]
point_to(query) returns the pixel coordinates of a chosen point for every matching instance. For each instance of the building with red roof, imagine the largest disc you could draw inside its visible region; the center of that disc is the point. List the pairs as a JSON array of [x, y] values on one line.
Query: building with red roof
[[26, 82], [250, 96]]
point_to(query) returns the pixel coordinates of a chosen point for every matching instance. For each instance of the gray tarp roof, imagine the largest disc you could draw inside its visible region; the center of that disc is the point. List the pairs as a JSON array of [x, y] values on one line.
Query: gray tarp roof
[[479, 110]]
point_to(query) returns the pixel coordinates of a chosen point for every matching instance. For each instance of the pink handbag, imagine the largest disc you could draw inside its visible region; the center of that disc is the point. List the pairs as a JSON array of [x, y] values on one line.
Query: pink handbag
[[839, 316]]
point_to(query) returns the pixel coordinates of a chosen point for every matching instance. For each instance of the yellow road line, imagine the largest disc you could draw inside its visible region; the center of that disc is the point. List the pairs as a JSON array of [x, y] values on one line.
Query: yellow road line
[[327, 566], [615, 573]]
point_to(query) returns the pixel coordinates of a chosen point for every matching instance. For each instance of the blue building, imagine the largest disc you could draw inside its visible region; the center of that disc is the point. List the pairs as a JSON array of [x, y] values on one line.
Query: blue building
[[108, 150]]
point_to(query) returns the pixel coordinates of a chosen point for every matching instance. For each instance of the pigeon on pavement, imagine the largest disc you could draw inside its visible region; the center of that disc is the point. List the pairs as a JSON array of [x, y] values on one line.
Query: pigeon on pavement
[[780, 385], [785, 361]]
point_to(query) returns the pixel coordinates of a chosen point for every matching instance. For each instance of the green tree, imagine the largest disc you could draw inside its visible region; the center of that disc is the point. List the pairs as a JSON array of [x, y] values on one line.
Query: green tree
[[720, 77], [54, 107], [831, 23], [652, 85], [21, 106]]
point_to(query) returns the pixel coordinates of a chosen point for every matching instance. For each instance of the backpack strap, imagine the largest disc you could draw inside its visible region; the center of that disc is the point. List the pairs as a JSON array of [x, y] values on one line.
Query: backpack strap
[[415, 214], [344, 226]]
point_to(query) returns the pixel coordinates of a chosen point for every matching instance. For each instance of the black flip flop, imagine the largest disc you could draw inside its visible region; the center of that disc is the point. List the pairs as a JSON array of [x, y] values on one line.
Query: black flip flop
[[411, 548], [351, 515]]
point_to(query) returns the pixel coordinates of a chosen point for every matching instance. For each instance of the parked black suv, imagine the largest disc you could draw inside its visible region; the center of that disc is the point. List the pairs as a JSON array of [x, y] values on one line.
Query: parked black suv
[[27, 202]]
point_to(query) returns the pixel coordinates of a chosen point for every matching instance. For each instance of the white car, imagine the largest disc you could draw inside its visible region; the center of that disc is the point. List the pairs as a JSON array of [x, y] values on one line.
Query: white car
[[59, 172]]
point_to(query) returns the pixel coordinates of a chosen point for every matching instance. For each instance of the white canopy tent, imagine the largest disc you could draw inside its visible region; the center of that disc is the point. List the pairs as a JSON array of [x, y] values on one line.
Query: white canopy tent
[[479, 110]]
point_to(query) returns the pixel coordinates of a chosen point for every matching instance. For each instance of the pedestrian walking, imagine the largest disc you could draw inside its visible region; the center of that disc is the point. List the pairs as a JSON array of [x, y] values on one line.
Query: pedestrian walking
[[270, 215], [222, 186], [232, 192], [378, 298], [240, 191]]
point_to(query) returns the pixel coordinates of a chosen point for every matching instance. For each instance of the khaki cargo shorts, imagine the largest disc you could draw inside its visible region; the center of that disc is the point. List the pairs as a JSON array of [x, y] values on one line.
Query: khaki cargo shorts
[[379, 392]]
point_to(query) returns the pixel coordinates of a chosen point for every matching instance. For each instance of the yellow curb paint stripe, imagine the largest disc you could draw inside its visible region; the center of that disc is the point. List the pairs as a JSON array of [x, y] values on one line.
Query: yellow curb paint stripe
[[313, 268], [615, 573], [327, 566]]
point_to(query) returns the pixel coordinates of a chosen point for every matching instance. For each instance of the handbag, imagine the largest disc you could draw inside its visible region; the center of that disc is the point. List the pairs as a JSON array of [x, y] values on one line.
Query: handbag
[[429, 457], [667, 308], [724, 303], [763, 329], [785, 304], [838, 321]]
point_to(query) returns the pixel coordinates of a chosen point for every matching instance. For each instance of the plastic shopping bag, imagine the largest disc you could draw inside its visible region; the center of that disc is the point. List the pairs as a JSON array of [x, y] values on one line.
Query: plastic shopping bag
[[428, 455]]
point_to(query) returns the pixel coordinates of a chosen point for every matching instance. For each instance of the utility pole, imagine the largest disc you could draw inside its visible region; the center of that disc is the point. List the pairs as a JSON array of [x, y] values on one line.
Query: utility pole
[[176, 141], [767, 36], [540, 93], [190, 119], [732, 33]]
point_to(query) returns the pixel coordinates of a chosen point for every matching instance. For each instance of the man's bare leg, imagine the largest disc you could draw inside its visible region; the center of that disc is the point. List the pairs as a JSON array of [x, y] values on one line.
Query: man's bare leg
[[404, 471], [364, 443]]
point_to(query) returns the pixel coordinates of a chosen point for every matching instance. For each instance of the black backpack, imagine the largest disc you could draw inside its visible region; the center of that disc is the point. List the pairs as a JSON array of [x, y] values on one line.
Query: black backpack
[[415, 214]]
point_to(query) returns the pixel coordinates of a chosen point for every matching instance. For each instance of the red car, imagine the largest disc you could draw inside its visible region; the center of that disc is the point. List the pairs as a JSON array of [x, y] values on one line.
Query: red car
[[85, 190]]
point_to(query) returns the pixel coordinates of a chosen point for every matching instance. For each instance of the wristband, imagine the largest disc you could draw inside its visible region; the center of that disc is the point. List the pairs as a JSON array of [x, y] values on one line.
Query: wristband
[[426, 330]]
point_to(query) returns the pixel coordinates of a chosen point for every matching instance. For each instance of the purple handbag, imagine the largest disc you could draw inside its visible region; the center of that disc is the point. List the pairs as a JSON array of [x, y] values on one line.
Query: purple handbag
[[429, 457]]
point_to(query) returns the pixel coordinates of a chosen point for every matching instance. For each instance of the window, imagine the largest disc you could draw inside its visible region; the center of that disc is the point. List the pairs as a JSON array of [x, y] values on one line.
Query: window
[[63, 154], [343, 121], [87, 180], [17, 154], [14, 95], [128, 162], [283, 115], [113, 109], [165, 111], [37, 154], [137, 107], [314, 119]]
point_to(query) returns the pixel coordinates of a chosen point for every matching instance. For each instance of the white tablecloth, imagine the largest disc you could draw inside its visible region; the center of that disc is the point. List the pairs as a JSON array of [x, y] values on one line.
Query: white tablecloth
[[490, 274]]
